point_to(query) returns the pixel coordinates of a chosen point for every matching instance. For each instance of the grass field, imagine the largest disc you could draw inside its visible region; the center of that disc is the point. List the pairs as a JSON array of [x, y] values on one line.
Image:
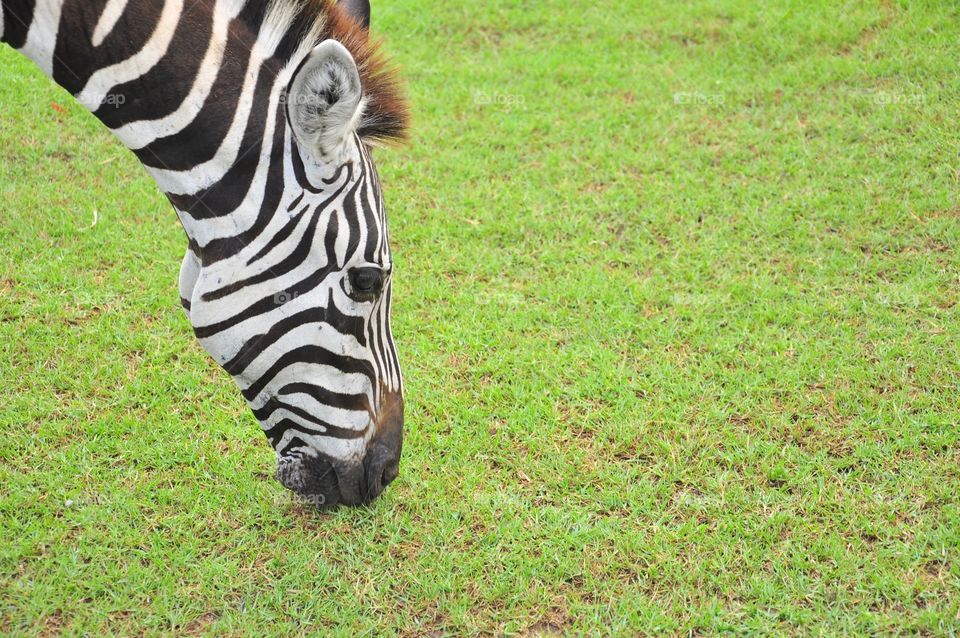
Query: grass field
[[677, 299]]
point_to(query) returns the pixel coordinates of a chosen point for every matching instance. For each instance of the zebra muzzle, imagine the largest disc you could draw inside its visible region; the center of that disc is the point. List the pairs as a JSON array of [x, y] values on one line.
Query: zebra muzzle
[[325, 482], [313, 479]]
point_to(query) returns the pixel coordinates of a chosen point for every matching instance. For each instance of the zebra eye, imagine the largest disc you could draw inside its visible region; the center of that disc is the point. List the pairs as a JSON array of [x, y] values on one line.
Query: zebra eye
[[366, 282]]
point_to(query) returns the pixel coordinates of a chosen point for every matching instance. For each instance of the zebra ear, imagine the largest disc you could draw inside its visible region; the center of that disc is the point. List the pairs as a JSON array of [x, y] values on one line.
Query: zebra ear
[[324, 100], [359, 10]]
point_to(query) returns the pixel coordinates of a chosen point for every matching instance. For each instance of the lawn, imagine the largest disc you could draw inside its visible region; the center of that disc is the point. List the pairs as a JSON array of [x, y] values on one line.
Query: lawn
[[676, 294]]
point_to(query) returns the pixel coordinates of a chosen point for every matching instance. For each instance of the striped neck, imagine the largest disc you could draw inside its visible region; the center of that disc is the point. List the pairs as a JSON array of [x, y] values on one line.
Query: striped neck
[[194, 89]]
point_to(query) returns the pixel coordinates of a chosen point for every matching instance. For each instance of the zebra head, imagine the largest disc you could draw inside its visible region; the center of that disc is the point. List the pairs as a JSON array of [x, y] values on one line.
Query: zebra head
[[300, 315], [261, 139]]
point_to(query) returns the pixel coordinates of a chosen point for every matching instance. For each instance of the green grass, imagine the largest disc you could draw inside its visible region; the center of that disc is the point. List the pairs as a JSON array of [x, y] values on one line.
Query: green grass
[[677, 298]]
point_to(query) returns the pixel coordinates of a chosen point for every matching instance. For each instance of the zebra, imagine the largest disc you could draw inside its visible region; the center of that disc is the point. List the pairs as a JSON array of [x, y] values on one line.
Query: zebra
[[258, 120]]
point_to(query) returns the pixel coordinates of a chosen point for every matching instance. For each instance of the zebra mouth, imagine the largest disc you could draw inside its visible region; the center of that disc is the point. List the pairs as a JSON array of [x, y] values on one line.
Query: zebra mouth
[[314, 480], [326, 482]]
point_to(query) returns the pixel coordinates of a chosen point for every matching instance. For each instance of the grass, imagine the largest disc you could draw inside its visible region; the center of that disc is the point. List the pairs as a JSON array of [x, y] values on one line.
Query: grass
[[677, 299]]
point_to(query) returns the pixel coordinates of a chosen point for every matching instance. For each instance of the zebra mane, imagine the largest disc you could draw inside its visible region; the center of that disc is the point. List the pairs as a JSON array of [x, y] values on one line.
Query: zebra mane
[[299, 25]]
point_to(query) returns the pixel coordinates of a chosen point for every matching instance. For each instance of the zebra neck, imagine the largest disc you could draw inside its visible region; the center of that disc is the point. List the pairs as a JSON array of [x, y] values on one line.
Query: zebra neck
[[188, 86]]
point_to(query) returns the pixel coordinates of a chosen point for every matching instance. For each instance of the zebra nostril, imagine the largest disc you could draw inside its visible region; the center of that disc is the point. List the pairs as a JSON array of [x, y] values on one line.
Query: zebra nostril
[[390, 472], [382, 468]]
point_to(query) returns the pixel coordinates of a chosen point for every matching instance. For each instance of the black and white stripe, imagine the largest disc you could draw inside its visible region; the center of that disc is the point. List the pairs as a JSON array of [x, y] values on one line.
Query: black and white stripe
[[252, 120]]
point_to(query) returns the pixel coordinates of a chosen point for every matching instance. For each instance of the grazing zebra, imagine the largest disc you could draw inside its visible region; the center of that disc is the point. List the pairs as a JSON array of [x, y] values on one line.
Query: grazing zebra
[[257, 119]]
